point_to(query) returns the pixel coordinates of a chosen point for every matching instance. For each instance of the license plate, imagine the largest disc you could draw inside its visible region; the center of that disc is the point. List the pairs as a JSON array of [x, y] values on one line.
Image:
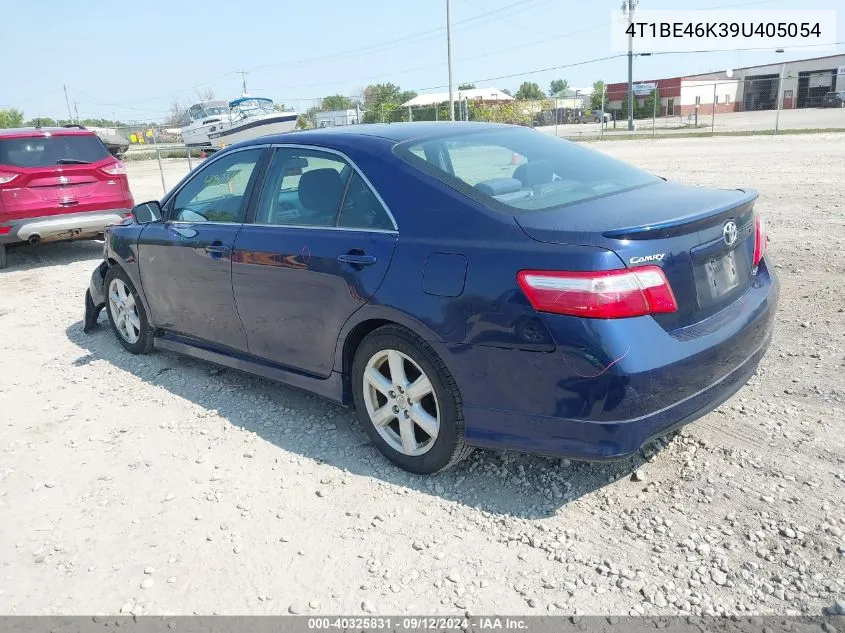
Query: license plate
[[722, 274]]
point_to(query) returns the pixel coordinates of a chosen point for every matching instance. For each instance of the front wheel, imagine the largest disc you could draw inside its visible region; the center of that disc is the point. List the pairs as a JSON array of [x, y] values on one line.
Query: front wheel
[[408, 401], [126, 313]]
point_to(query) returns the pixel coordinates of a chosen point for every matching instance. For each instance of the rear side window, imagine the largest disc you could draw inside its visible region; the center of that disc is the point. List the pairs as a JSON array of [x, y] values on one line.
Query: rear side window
[[45, 151], [521, 170], [303, 188], [306, 187]]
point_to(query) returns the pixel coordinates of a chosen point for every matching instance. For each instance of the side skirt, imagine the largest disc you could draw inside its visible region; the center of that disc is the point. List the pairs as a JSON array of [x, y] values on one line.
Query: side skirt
[[330, 388]]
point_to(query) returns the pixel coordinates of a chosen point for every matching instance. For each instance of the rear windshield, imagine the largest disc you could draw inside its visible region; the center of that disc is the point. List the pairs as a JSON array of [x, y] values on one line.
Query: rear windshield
[[521, 170], [43, 151]]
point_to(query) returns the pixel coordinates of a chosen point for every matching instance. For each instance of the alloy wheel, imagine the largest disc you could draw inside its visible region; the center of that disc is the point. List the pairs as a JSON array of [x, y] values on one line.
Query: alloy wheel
[[124, 311], [401, 403]]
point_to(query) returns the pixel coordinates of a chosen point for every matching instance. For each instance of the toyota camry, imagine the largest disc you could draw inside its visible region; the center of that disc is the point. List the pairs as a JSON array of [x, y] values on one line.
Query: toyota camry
[[460, 285]]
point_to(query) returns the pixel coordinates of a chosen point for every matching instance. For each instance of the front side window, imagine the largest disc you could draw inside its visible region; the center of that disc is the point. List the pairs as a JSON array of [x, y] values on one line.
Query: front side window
[[216, 193], [519, 170]]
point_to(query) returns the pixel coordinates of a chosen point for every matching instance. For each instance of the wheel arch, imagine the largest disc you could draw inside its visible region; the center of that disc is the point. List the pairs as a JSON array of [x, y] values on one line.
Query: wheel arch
[[133, 273], [362, 323]]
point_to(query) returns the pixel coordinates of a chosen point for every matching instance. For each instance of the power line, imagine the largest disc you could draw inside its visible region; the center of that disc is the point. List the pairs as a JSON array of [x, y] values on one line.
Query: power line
[[405, 40]]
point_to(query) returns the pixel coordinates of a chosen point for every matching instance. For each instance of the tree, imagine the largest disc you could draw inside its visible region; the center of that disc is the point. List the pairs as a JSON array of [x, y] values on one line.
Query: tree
[[11, 118], [530, 90], [337, 102], [43, 121], [175, 113], [382, 102], [557, 86], [206, 94], [466, 87], [599, 94]]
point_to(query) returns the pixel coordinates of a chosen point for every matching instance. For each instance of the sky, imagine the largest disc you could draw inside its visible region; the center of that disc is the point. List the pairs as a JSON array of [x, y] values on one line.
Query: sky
[[132, 60]]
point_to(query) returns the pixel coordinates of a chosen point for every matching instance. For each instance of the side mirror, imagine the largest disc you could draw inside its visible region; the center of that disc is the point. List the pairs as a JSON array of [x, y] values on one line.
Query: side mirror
[[147, 212]]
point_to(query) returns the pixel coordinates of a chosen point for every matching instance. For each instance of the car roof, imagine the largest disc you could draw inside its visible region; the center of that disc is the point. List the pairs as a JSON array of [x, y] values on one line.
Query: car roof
[[40, 132], [397, 132]]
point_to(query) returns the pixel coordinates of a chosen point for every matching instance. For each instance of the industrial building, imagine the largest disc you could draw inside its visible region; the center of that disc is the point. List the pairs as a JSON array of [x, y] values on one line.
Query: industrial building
[[805, 82]]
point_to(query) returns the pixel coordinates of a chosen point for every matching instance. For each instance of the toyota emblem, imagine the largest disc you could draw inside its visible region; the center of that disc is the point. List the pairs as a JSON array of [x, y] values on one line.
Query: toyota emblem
[[729, 232]]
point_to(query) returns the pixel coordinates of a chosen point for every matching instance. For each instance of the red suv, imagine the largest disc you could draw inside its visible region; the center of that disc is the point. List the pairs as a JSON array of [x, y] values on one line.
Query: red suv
[[58, 184]]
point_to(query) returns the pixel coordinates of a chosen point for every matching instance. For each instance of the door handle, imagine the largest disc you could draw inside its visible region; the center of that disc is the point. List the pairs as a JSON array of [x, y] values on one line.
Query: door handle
[[356, 260], [217, 251]]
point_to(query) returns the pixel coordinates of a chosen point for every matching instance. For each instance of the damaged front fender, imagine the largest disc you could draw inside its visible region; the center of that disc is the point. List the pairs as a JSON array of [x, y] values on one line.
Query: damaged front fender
[[95, 297]]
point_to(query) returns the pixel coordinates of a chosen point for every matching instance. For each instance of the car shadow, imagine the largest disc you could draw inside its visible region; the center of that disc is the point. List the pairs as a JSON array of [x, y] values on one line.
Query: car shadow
[[26, 256], [501, 482]]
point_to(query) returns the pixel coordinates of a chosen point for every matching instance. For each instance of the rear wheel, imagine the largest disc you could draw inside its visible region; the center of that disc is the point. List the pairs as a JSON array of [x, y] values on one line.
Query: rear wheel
[[3, 261], [126, 313], [408, 401]]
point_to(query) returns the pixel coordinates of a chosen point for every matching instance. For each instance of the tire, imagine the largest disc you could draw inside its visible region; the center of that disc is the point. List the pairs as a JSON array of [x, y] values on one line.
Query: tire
[[4, 261], [438, 442], [134, 334]]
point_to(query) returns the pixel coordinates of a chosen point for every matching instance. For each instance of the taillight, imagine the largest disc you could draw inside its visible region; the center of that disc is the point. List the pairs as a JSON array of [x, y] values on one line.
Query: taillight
[[759, 238], [5, 230], [6, 176], [606, 294], [115, 169]]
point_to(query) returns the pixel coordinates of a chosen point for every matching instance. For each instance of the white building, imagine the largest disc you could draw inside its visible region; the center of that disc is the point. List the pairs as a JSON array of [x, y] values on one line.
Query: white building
[[332, 118], [492, 95]]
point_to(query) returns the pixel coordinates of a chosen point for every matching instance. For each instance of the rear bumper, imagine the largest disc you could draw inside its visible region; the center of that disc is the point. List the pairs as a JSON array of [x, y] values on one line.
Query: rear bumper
[[610, 386], [63, 227]]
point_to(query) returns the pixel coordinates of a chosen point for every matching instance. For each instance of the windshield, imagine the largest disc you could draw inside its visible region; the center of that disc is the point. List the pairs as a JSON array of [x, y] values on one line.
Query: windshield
[[519, 169], [43, 151], [252, 107]]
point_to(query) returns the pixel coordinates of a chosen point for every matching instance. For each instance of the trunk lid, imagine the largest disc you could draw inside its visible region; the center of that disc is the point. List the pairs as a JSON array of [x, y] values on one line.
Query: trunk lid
[[680, 228]]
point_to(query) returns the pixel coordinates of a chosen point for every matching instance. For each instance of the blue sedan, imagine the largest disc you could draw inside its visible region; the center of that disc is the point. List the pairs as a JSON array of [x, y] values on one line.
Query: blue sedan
[[461, 285]]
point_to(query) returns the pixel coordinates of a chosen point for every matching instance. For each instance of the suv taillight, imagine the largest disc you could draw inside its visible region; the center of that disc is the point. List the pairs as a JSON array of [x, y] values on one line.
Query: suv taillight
[[759, 238], [7, 177], [606, 294], [115, 169]]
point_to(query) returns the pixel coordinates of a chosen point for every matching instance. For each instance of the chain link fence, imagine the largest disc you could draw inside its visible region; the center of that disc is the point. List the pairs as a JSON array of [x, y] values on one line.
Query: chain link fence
[[761, 105]]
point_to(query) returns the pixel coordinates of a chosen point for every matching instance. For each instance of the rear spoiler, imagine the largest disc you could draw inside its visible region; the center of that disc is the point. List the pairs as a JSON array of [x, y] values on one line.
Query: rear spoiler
[[689, 224]]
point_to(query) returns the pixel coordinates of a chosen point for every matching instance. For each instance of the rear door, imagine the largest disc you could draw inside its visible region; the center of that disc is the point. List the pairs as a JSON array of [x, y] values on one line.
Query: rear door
[[317, 249], [58, 174], [185, 261]]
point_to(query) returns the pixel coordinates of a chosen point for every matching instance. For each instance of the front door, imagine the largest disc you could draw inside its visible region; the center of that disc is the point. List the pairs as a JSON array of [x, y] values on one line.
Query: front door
[[185, 261], [318, 248]]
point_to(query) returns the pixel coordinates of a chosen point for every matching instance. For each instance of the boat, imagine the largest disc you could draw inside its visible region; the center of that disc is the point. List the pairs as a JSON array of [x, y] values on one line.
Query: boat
[[250, 117], [201, 119]]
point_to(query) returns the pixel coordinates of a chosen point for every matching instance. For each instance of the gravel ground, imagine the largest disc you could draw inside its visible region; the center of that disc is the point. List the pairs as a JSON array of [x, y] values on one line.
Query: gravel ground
[[161, 484]]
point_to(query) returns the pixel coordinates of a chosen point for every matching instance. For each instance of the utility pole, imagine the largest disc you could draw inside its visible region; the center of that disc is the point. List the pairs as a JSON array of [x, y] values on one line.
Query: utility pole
[[449, 54], [76, 109], [243, 73], [628, 7], [67, 102]]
